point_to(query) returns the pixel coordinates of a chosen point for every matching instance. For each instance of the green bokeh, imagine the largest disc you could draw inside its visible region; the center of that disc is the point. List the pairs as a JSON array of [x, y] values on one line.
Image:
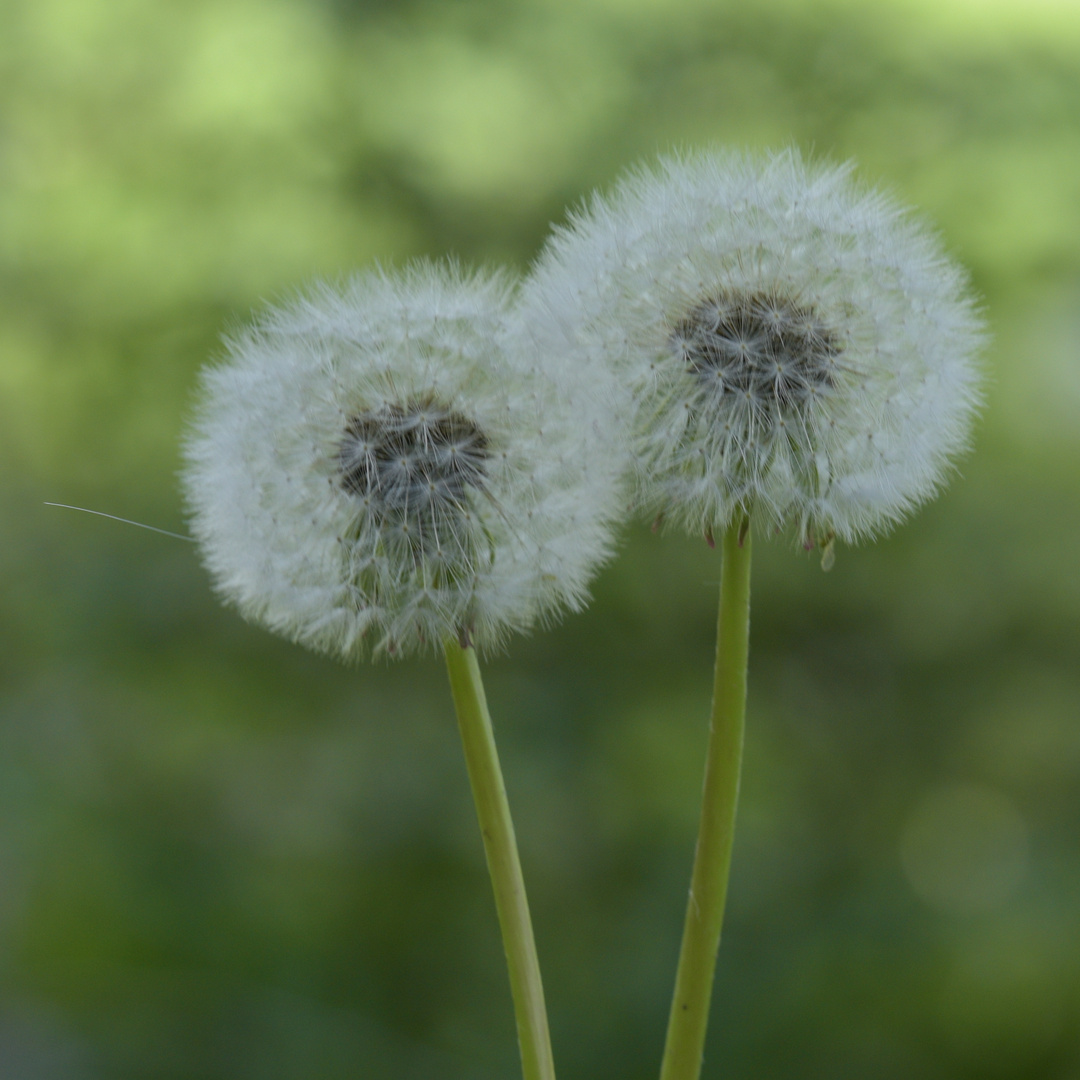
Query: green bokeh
[[223, 858]]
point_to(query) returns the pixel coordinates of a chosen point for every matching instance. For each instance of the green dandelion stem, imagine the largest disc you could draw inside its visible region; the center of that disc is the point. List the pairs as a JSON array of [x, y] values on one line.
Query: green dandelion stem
[[712, 860], [497, 829]]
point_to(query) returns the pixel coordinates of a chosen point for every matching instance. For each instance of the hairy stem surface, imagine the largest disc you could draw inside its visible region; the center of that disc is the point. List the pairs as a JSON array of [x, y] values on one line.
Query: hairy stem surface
[[497, 829], [712, 860]]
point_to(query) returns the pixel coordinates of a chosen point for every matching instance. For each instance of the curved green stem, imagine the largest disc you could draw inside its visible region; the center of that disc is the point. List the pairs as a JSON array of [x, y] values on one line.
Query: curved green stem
[[497, 829], [712, 859]]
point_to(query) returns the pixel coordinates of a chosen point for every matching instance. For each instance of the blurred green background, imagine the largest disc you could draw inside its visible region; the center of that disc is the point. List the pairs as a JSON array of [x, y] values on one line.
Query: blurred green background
[[224, 858]]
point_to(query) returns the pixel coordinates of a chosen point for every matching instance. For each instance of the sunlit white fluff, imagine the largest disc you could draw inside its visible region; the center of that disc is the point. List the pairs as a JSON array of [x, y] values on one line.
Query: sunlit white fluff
[[794, 345], [379, 467]]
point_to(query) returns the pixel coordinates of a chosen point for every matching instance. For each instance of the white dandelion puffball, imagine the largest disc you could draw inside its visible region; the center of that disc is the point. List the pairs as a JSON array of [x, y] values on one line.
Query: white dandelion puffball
[[796, 347], [376, 469]]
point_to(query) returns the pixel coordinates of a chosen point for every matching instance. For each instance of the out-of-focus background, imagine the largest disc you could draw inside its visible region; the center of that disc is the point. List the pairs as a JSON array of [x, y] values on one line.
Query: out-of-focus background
[[222, 857]]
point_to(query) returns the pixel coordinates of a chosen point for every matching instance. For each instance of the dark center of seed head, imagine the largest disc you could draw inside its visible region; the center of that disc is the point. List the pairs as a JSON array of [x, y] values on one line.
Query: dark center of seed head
[[413, 461], [759, 345]]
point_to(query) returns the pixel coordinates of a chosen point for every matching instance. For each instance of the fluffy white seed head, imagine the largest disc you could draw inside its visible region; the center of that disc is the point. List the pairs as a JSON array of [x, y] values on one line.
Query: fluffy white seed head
[[377, 468], [793, 346]]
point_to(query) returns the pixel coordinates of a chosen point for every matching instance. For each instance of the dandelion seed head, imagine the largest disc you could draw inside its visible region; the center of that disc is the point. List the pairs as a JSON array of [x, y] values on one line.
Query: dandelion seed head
[[791, 344], [376, 468]]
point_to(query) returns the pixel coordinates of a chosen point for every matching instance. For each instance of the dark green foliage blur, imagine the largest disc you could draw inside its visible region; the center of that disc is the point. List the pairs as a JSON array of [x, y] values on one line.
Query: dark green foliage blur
[[222, 858]]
